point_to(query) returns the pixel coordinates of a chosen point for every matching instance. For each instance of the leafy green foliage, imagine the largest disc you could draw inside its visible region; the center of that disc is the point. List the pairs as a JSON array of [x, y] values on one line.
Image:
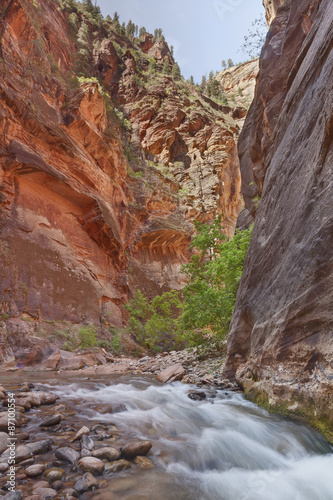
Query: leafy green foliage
[[166, 67], [119, 115], [213, 273], [155, 324], [142, 31], [214, 88], [73, 23], [152, 65], [176, 75], [158, 34], [130, 29], [87, 336], [82, 66], [115, 344]]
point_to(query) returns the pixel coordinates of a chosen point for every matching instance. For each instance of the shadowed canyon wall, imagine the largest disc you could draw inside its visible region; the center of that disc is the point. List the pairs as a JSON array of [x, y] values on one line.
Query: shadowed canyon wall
[[280, 347]]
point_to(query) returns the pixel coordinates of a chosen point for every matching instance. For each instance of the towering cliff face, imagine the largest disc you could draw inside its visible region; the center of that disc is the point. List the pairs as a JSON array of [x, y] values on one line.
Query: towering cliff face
[[93, 205], [239, 83], [280, 346]]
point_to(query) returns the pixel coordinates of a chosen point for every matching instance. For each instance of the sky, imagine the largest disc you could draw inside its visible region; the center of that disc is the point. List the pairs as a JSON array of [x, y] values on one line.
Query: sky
[[203, 32]]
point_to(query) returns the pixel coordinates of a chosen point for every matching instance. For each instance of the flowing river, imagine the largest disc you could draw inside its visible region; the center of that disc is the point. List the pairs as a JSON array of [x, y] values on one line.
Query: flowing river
[[220, 448]]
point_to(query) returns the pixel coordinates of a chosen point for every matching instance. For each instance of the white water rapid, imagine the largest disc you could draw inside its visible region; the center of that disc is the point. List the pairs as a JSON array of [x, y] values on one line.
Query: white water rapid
[[220, 448]]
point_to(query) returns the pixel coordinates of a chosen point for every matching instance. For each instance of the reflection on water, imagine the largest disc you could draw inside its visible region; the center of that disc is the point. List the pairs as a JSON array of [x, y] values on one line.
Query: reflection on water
[[222, 448]]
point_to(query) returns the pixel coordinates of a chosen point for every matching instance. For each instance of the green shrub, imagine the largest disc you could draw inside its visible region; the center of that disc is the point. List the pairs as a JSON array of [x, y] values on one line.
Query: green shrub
[[155, 324], [115, 344], [87, 336], [152, 65]]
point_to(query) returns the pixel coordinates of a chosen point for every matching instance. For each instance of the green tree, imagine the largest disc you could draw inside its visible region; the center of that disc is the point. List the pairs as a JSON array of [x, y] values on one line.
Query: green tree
[[94, 11], [73, 23], [142, 31], [69, 5], [81, 66], [213, 274], [155, 324], [223, 64], [191, 80], [172, 49], [214, 88], [162, 328], [203, 83], [166, 67], [176, 75], [130, 29], [116, 17], [138, 312], [230, 63]]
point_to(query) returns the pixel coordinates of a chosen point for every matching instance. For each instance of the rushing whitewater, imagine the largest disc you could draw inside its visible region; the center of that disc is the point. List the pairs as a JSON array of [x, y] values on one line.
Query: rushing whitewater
[[223, 447]]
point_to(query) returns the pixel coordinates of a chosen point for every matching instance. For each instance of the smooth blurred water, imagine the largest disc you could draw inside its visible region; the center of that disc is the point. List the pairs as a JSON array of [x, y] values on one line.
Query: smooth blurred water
[[222, 448]]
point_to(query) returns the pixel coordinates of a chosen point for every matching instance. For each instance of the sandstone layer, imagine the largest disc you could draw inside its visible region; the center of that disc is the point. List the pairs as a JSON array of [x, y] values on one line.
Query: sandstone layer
[[280, 347], [99, 187], [238, 83]]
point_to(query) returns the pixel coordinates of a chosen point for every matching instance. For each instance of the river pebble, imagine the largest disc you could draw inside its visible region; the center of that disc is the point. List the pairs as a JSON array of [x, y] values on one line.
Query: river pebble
[[67, 454], [69, 492], [117, 466], [131, 450], [35, 470], [46, 493], [56, 419], [143, 462], [40, 484], [91, 464], [86, 482], [87, 443], [54, 474], [57, 485], [13, 495], [82, 432], [109, 453]]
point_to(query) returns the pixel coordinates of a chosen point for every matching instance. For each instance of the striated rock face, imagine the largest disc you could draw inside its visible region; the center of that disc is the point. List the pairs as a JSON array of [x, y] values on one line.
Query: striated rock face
[[239, 83], [95, 203], [271, 7], [280, 347], [277, 70]]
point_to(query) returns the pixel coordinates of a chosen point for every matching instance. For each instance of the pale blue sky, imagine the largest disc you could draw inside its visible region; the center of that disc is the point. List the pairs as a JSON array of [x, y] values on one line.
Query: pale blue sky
[[203, 32]]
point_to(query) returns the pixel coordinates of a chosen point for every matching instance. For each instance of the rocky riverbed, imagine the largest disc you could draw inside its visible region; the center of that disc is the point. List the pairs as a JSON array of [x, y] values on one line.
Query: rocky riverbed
[[189, 366], [62, 455]]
